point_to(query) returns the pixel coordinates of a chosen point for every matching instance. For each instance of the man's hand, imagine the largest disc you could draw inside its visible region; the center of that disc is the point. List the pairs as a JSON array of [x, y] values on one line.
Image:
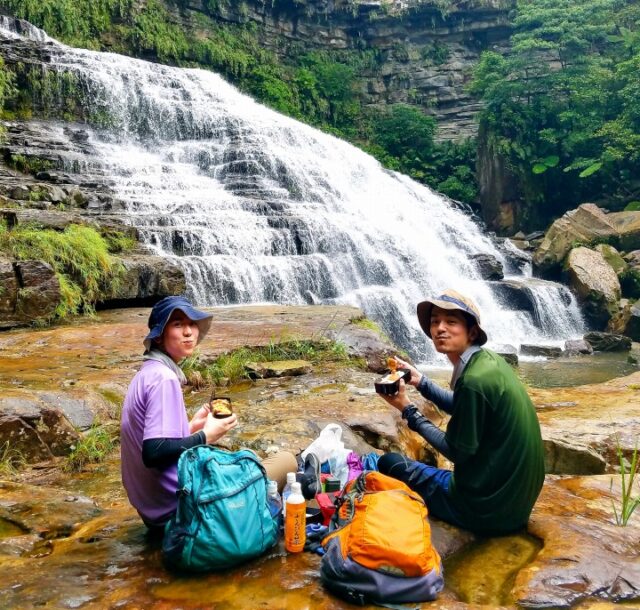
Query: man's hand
[[399, 400], [199, 419], [214, 429], [416, 375]]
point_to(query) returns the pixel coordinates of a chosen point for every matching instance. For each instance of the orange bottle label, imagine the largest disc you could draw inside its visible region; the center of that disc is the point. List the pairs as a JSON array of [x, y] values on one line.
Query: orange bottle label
[[294, 527]]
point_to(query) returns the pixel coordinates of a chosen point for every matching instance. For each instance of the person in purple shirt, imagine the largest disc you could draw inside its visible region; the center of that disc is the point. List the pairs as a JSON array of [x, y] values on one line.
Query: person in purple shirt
[[155, 429]]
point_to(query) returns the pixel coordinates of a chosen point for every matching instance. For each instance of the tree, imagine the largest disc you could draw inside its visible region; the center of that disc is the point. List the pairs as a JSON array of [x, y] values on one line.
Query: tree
[[563, 107]]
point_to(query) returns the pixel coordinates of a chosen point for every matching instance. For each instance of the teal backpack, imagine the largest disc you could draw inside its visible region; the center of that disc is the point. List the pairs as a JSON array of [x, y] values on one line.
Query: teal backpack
[[223, 516]]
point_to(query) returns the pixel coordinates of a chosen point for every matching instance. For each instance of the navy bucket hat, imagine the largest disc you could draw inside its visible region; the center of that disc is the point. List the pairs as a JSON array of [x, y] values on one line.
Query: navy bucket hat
[[161, 312]]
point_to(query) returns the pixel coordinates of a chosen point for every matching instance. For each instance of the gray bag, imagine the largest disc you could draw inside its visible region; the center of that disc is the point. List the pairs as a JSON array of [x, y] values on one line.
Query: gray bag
[[361, 586]]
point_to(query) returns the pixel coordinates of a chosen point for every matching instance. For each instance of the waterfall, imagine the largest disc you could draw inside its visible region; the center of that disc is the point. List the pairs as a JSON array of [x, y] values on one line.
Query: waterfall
[[257, 207]]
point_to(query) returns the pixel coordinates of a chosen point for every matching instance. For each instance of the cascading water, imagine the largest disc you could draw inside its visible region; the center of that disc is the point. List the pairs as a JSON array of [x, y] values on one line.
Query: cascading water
[[256, 207]]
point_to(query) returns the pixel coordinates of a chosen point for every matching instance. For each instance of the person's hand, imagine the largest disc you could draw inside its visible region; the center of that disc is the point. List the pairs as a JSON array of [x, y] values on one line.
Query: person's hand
[[214, 429], [399, 400], [198, 420], [416, 375]]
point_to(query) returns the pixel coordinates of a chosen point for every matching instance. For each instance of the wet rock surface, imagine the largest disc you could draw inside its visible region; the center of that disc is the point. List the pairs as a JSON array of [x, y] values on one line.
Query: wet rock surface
[[30, 292], [586, 224], [577, 346], [489, 267], [607, 342], [35, 428], [585, 554], [595, 284], [74, 541], [278, 368]]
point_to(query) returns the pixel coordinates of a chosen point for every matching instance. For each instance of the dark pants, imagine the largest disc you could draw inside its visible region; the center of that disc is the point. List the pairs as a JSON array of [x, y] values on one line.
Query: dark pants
[[431, 483]]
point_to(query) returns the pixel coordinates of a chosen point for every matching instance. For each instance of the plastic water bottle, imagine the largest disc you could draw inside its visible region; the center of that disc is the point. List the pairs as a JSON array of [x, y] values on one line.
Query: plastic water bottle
[[291, 479], [295, 521], [275, 502]]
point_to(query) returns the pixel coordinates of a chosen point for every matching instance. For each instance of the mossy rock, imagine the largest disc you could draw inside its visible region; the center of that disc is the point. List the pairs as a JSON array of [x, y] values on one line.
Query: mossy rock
[[613, 257]]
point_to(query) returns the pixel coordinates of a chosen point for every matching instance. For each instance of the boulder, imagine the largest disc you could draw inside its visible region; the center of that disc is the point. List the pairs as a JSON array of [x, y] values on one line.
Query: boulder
[[39, 292], [613, 258], [564, 457], [514, 294], [489, 266], [627, 322], [79, 410], [380, 430], [20, 193], [608, 342], [547, 351], [515, 253], [8, 291], [147, 276], [34, 430], [278, 368], [585, 225], [508, 352], [573, 347], [633, 258], [361, 342], [595, 284], [628, 226]]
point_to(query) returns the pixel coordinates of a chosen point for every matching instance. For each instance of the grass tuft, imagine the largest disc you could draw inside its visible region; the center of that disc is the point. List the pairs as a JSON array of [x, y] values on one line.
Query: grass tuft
[[231, 367], [628, 502], [80, 257], [11, 460], [92, 448]]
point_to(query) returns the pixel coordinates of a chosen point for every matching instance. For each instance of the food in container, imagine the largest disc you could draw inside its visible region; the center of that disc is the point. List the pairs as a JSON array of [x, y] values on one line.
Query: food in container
[[390, 383], [220, 407]]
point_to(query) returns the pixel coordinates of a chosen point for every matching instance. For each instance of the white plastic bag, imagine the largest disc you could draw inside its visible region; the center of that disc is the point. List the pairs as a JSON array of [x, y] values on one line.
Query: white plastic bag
[[328, 447], [339, 466], [328, 443]]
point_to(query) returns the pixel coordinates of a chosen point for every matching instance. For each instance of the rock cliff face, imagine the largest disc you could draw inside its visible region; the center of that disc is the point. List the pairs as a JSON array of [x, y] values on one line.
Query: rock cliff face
[[424, 54]]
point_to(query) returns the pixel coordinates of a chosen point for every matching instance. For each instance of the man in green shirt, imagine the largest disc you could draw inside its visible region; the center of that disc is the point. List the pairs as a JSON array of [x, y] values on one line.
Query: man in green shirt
[[493, 437]]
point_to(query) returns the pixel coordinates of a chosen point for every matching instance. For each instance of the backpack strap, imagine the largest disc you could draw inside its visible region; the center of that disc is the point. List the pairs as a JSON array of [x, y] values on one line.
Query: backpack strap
[[184, 465]]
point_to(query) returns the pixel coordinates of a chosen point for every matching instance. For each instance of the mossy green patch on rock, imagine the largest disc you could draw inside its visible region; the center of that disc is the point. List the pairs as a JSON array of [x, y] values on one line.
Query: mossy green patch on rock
[[80, 257], [613, 257]]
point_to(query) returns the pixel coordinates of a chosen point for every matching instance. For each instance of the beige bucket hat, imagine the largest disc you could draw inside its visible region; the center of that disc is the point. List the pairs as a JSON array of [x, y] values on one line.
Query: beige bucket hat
[[449, 299]]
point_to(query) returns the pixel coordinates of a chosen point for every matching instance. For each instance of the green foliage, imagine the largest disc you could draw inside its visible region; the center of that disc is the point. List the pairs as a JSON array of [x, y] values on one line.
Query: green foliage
[[435, 53], [372, 326], [48, 92], [80, 257], [7, 87], [628, 502], [632, 206], [93, 448], [29, 165], [231, 367], [403, 140], [405, 130], [630, 282], [77, 22], [154, 34], [568, 91]]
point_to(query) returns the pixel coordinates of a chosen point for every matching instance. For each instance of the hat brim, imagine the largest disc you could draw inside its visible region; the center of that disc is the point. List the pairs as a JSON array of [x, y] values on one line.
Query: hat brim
[[424, 317], [202, 318]]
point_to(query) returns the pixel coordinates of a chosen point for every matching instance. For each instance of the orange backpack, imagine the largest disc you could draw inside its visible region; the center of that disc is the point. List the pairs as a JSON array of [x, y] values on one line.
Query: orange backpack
[[381, 549]]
